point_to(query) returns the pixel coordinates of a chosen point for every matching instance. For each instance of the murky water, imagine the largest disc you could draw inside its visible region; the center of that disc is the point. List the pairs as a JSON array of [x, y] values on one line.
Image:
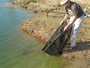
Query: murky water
[[18, 49]]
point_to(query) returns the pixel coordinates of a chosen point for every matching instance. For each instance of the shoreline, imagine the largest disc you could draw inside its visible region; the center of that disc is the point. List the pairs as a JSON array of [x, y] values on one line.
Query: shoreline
[[44, 25]]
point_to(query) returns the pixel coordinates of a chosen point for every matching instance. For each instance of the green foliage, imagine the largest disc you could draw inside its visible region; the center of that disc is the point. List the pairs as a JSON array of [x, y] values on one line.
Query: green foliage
[[28, 1], [85, 23], [31, 0]]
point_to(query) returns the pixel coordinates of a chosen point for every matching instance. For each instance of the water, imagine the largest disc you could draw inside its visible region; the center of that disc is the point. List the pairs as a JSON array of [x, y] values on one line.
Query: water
[[18, 49]]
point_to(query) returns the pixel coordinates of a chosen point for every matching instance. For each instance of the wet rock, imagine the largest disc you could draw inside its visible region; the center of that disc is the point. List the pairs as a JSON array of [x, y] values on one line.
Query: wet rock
[[14, 2], [35, 11], [24, 6]]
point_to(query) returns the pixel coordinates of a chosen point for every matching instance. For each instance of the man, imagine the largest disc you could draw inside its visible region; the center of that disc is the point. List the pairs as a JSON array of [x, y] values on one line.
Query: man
[[76, 19]]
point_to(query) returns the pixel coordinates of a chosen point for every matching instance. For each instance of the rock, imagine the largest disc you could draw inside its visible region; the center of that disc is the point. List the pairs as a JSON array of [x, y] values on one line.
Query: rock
[[24, 6], [13, 2], [35, 11]]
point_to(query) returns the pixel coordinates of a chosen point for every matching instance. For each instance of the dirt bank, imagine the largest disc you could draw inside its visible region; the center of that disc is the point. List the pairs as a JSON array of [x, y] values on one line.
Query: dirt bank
[[44, 25]]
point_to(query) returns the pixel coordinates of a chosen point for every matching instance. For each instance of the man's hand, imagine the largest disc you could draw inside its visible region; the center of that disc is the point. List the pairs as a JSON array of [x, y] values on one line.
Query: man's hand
[[65, 28], [61, 23], [65, 17]]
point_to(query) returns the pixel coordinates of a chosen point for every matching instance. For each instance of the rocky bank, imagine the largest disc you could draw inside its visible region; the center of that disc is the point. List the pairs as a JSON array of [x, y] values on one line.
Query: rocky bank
[[44, 25]]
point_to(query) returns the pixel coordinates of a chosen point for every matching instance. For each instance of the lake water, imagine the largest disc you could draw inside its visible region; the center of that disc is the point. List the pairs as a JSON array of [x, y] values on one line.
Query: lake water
[[18, 49]]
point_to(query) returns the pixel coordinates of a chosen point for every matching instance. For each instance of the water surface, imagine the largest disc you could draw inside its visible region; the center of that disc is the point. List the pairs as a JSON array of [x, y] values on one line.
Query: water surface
[[18, 49]]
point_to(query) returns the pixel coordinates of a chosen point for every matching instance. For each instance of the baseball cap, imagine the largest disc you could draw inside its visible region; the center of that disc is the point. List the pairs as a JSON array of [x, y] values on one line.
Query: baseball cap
[[63, 2]]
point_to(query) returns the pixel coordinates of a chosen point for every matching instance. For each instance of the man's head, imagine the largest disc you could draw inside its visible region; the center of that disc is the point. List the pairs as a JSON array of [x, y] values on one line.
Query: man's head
[[65, 2]]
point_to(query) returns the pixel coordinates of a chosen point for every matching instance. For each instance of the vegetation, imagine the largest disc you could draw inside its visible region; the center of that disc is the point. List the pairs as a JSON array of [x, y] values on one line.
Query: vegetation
[[28, 1]]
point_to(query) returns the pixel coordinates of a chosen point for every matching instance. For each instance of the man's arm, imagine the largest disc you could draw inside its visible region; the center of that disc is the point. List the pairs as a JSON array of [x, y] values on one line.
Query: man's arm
[[72, 21], [65, 17]]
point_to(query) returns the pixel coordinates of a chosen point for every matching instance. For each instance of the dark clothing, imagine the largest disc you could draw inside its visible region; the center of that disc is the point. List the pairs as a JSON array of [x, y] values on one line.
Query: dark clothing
[[74, 9]]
